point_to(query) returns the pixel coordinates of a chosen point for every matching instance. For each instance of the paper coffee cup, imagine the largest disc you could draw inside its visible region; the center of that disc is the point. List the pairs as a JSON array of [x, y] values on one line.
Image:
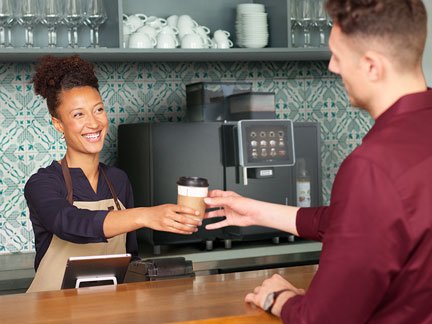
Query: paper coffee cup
[[191, 192]]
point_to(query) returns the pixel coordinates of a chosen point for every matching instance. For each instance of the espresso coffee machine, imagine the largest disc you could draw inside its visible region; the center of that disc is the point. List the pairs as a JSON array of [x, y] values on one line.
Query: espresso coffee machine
[[255, 158]]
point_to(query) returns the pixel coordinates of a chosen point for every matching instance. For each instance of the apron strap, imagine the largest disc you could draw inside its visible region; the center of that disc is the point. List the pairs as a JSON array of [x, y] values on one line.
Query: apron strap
[[111, 188], [68, 180]]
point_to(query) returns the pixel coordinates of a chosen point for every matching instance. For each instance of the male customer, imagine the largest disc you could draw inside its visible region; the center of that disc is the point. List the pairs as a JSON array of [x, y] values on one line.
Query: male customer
[[376, 261]]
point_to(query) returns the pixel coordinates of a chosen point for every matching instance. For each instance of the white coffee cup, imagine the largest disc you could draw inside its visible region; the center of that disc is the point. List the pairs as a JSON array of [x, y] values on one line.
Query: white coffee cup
[[172, 20], [207, 42], [169, 30], [186, 21], [202, 30], [141, 40], [192, 41], [166, 41], [134, 21], [185, 31], [152, 32], [221, 35], [224, 44], [156, 22]]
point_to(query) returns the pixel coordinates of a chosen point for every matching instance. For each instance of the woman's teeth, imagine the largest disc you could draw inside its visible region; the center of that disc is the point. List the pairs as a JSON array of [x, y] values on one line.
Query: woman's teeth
[[92, 136]]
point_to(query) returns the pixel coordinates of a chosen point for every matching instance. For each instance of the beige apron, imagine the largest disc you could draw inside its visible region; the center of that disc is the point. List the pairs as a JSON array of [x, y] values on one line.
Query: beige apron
[[49, 275]]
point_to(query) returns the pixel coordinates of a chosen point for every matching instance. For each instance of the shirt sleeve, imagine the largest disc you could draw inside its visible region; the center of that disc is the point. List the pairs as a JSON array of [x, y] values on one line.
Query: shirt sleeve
[[49, 208], [361, 231]]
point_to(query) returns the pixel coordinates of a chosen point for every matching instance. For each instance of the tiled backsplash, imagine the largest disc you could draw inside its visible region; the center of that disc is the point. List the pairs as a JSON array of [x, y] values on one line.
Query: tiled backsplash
[[155, 92]]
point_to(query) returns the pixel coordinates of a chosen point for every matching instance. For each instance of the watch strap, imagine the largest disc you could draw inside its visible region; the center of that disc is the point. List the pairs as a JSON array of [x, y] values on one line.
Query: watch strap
[[275, 296]]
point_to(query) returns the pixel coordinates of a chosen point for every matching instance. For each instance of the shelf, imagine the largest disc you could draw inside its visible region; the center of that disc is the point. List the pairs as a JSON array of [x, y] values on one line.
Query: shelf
[[172, 55], [205, 12]]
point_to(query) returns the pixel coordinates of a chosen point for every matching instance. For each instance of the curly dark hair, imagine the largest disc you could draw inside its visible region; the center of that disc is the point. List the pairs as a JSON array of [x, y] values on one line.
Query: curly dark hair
[[401, 23], [55, 74]]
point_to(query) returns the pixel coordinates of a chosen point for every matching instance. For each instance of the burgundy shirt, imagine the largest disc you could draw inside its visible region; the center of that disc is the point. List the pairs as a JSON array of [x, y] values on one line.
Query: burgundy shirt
[[376, 261]]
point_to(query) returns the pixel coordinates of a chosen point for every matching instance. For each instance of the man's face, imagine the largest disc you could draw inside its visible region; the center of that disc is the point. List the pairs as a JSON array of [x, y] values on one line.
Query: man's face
[[345, 61]]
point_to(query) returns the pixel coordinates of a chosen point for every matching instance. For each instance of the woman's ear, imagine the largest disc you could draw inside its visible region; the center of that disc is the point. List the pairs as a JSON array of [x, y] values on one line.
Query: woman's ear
[[57, 124]]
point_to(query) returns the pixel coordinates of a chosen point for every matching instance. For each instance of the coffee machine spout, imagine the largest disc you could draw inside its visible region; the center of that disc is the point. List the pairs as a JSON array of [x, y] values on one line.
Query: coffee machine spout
[[245, 176]]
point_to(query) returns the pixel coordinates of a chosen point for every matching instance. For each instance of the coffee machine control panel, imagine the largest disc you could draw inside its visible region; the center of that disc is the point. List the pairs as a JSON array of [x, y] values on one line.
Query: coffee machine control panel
[[263, 143]]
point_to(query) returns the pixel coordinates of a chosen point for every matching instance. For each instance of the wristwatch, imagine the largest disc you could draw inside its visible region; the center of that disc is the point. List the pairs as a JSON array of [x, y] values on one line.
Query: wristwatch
[[271, 299]]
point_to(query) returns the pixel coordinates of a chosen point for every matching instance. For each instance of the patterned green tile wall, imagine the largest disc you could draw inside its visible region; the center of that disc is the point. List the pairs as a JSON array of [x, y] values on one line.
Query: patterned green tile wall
[[155, 92]]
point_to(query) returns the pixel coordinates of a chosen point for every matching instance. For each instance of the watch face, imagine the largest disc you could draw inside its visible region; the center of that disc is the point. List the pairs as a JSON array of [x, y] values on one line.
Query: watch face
[[268, 302]]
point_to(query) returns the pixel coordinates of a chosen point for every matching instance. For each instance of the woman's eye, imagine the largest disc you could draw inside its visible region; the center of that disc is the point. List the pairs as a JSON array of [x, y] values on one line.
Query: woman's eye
[[100, 109], [77, 115]]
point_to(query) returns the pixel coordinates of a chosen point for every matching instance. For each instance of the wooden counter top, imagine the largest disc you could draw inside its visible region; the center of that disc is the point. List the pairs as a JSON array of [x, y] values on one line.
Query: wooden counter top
[[203, 299]]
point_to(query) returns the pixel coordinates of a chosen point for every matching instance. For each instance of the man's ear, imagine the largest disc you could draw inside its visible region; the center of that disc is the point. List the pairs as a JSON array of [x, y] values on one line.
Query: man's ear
[[373, 65], [57, 124]]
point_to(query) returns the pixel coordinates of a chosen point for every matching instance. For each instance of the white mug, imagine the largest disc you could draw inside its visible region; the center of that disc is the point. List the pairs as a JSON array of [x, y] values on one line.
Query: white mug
[[221, 35], [166, 41], [134, 21], [169, 30], [224, 44], [141, 40], [202, 30], [185, 31], [192, 41], [152, 32], [207, 42], [186, 21], [155, 22], [172, 20]]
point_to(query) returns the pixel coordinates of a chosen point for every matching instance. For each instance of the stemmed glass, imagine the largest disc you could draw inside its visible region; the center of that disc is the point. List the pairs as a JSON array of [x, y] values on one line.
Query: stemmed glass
[[74, 17], [320, 20], [51, 17], [6, 18], [295, 26], [95, 16], [28, 16], [304, 19]]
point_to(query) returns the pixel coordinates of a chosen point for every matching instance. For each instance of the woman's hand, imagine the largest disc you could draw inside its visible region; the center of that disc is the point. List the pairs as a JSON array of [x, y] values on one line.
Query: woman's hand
[[172, 218], [275, 283]]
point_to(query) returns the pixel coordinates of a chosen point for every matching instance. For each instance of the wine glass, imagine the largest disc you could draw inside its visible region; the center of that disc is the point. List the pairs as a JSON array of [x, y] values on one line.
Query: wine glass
[[304, 19], [73, 18], [28, 15], [6, 18], [295, 26], [51, 17], [320, 20], [95, 16]]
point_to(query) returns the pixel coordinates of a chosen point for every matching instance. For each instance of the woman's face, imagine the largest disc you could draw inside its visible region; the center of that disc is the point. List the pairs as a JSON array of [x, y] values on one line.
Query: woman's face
[[82, 120]]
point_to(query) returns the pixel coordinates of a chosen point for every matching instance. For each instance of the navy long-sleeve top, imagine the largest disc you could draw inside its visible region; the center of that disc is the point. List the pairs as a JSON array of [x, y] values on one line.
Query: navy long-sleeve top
[[51, 213], [376, 260]]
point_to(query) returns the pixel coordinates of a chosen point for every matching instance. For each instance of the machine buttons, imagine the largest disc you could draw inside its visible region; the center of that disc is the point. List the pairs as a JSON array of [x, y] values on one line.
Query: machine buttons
[[263, 143], [282, 153], [281, 143], [253, 134], [273, 152], [281, 133], [273, 143], [263, 134], [254, 154], [254, 143], [263, 152], [272, 134]]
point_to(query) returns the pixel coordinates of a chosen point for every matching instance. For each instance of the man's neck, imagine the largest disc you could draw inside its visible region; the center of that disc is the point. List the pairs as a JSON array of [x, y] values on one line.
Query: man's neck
[[396, 88]]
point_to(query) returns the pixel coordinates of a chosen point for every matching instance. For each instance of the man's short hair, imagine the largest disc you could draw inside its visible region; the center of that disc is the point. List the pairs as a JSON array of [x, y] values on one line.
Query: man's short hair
[[399, 25]]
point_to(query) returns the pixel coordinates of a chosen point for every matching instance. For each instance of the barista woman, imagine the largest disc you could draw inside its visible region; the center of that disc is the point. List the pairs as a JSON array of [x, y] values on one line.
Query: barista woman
[[79, 206]]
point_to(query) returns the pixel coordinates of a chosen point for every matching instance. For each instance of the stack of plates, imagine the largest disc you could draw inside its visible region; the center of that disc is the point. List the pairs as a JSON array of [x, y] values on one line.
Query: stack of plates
[[251, 25]]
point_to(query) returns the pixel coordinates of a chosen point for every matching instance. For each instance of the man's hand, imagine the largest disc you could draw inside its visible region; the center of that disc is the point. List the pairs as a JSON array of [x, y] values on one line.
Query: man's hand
[[275, 283]]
